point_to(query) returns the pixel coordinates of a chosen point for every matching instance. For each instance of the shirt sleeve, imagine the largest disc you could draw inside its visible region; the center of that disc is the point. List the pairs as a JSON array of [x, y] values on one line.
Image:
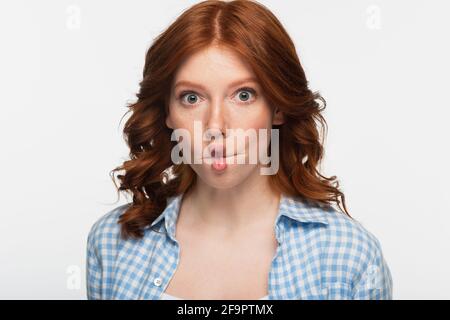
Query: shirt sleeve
[[93, 271], [375, 282]]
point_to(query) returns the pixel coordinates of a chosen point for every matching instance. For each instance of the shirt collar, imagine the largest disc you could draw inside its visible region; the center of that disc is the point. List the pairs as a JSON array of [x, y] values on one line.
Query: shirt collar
[[293, 207]]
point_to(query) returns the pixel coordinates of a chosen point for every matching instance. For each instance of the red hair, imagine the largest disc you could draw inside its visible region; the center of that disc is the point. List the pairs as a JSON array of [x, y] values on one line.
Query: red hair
[[257, 36]]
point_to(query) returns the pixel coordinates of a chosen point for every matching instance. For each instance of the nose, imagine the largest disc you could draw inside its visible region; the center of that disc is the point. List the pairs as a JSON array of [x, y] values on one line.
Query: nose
[[215, 125], [215, 129], [213, 134]]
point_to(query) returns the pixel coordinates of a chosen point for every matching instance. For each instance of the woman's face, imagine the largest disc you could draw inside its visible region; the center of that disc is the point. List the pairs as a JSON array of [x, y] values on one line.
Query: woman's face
[[216, 90]]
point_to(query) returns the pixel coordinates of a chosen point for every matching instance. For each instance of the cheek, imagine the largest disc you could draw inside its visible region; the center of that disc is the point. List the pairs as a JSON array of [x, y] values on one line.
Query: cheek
[[257, 116], [261, 118], [185, 122], [181, 119], [260, 123], [185, 118]]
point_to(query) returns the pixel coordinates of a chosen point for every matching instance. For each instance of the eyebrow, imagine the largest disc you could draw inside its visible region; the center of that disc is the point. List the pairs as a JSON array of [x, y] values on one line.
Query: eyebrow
[[197, 85]]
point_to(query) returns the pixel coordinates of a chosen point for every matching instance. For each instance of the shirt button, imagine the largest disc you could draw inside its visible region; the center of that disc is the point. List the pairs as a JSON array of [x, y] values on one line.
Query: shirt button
[[157, 282]]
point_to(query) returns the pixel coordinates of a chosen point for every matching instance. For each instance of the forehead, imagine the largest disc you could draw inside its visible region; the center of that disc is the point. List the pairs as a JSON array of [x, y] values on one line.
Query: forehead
[[212, 63]]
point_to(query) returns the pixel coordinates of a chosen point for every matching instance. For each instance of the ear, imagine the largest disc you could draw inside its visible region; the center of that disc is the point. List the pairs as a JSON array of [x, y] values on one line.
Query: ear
[[169, 122], [278, 117]]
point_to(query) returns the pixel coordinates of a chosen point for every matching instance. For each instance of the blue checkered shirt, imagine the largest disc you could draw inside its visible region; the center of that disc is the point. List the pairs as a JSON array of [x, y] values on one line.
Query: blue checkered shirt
[[322, 254]]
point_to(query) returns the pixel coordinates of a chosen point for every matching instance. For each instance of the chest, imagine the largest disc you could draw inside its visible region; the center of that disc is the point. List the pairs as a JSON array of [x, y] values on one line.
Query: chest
[[211, 267]]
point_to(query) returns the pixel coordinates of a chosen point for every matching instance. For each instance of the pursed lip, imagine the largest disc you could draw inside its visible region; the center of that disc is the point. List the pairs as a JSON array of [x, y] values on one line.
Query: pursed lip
[[212, 154], [228, 156]]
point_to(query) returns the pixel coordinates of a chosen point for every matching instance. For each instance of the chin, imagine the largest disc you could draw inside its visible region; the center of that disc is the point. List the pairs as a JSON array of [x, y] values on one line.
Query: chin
[[231, 177]]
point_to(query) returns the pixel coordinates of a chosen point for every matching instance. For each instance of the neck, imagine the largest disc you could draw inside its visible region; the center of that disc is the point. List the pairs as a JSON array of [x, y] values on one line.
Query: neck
[[251, 203]]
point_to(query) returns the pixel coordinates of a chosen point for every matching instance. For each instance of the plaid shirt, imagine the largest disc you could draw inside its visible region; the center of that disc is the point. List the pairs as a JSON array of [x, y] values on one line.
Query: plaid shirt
[[322, 254]]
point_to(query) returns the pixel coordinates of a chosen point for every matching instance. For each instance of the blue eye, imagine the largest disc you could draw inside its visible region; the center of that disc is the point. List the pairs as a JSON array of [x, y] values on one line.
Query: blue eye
[[246, 95], [192, 98]]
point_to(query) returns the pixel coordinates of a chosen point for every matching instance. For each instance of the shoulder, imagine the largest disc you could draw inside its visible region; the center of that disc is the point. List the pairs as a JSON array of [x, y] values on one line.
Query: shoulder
[[352, 251], [342, 243], [356, 257], [350, 236], [105, 231], [331, 231]]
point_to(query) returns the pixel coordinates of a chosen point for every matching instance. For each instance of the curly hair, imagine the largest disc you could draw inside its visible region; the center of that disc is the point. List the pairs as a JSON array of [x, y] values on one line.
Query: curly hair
[[257, 36]]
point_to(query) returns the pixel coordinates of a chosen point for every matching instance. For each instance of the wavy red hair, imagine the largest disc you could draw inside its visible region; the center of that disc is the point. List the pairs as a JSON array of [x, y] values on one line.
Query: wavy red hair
[[253, 32]]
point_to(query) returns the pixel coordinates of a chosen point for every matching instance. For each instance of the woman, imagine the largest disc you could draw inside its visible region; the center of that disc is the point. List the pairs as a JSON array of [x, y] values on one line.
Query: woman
[[220, 229]]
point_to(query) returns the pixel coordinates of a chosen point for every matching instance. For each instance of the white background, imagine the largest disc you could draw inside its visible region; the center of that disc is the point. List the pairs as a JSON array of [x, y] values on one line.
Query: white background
[[68, 68]]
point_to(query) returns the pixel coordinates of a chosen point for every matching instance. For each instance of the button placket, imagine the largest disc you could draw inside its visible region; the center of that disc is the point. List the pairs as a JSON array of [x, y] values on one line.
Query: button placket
[[157, 282]]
